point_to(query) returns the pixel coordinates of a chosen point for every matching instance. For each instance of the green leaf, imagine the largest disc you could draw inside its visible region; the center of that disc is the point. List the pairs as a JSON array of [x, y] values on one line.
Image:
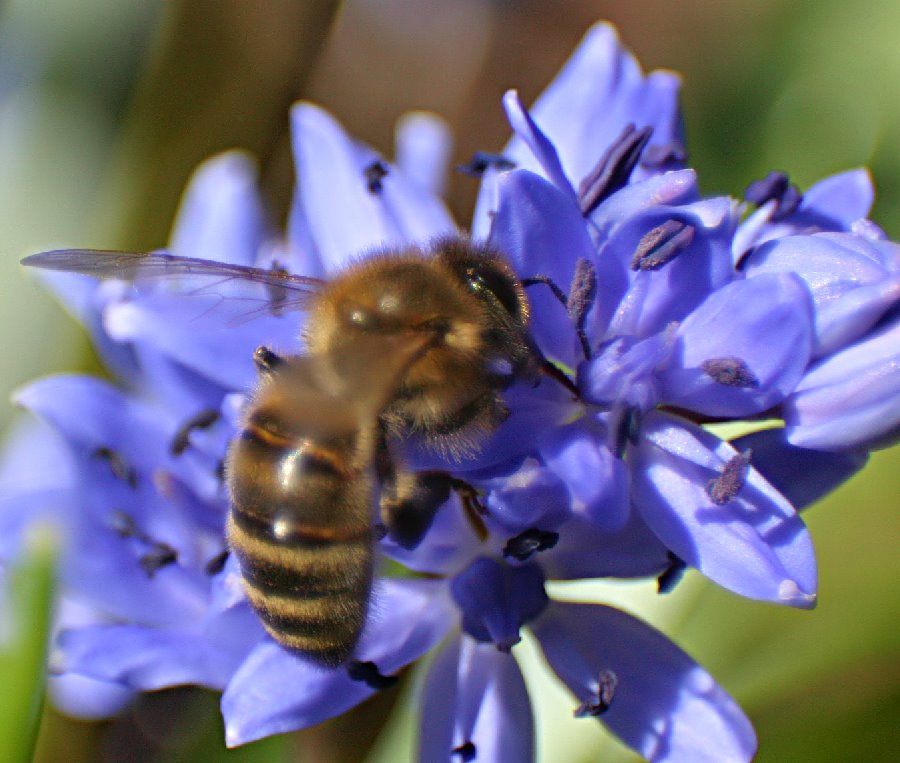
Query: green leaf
[[24, 650]]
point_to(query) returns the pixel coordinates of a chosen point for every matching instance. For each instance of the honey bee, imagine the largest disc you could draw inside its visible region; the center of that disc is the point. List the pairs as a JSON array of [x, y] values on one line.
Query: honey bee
[[418, 342]]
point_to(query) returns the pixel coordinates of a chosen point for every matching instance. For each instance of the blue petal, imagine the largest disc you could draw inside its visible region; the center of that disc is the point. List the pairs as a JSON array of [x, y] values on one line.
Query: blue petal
[[622, 374], [87, 698], [423, 147], [496, 599], [598, 481], [86, 299], [539, 145], [475, 695], [275, 691], [844, 197], [597, 93], [764, 324], [665, 706], [529, 496], [837, 203], [487, 203], [203, 333], [221, 216], [91, 413], [145, 658], [585, 551], [543, 234], [851, 399], [657, 297], [849, 278], [670, 189], [755, 544], [102, 562], [342, 217], [801, 475]]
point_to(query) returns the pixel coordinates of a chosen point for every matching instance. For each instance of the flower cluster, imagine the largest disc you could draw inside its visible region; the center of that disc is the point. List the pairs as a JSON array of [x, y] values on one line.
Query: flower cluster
[[668, 310]]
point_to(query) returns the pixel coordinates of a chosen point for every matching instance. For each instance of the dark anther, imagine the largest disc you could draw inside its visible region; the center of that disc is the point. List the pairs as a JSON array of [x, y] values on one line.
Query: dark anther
[[672, 574], [777, 186], [220, 470], [606, 692], [117, 463], [203, 420], [277, 294], [581, 297], [529, 542], [380, 531], [732, 372], [265, 360], [662, 244], [481, 161], [664, 156], [727, 485], [159, 556], [123, 524], [367, 672], [215, 565], [466, 752], [628, 431], [614, 168], [374, 173]]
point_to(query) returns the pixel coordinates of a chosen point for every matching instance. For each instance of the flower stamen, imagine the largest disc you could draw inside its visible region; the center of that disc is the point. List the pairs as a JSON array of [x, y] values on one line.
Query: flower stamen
[[120, 468], [605, 692], [730, 372], [775, 186], [215, 565], [661, 156], [725, 488], [466, 751], [662, 244], [672, 574], [374, 173], [182, 439], [611, 173], [581, 297], [527, 543], [368, 673], [159, 555], [481, 161]]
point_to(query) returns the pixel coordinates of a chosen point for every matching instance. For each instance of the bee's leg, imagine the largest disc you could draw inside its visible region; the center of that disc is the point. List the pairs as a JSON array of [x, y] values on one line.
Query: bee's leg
[[265, 360], [474, 509], [410, 502]]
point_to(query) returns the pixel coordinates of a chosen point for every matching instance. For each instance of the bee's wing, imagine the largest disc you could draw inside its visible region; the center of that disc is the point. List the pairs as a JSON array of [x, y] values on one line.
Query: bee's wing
[[187, 275]]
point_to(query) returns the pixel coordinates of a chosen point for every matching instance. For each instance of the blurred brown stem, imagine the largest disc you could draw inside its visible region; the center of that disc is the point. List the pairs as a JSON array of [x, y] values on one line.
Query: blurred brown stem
[[223, 75]]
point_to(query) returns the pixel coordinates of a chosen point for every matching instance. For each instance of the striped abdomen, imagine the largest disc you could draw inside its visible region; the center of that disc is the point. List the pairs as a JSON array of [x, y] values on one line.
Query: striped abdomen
[[301, 528]]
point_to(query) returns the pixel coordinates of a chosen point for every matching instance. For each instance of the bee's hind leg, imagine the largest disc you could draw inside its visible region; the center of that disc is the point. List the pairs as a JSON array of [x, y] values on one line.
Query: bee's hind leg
[[411, 500]]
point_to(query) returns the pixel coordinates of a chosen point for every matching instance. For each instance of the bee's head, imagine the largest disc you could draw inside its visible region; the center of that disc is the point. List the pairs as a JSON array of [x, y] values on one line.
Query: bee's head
[[486, 274]]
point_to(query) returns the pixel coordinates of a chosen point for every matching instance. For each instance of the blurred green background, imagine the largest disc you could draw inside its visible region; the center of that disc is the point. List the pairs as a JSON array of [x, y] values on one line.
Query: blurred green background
[[107, 105]]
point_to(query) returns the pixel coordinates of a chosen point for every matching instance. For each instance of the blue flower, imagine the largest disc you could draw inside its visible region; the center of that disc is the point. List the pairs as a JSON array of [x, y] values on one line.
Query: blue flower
[[665, 310]]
